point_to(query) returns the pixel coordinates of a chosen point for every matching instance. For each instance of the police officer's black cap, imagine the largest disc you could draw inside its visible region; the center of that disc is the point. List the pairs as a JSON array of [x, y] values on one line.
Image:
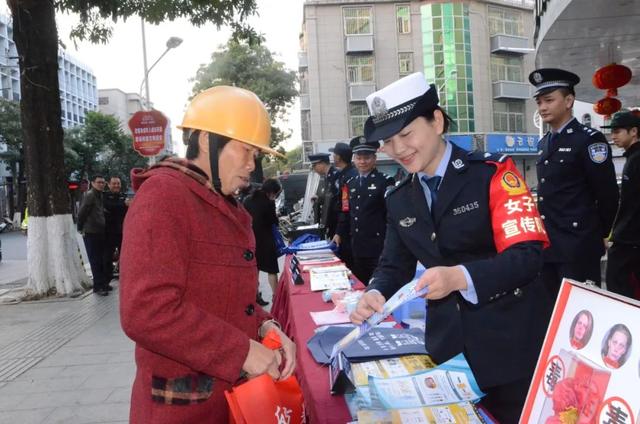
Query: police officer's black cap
[[341, 149], [360, 144], [547, 80], [319, 157], [623, 120], [397, 105]]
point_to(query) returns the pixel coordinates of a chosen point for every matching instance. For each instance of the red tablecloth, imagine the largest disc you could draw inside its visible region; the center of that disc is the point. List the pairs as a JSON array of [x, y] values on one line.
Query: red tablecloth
[[291, 307]]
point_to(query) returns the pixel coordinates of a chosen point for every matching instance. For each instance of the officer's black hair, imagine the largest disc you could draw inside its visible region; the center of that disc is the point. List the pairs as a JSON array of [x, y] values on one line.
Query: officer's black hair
[[193, 148], [428, 114], [345, 157], [95, 177], [271, 186], [112, 176]]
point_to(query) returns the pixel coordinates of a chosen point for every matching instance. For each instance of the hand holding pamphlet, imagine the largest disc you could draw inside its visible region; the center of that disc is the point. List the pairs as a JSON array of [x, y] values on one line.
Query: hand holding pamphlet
[[406, 293]]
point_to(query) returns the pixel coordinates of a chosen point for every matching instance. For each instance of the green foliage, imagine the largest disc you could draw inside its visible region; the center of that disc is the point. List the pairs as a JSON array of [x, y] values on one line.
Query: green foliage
[[252, 66], [99, 147], [95, 14]]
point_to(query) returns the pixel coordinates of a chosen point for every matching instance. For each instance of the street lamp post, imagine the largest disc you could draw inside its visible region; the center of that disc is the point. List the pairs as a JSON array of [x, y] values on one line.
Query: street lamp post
[[172, 43]]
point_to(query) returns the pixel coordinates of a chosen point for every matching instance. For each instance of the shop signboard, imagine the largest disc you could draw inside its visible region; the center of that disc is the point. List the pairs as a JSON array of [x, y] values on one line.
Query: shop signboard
[[513, 144]]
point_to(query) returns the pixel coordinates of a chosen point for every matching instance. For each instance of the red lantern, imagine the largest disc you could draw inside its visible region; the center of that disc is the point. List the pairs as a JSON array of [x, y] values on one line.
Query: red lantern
[[636, 113], [607, 106], [611, 77]]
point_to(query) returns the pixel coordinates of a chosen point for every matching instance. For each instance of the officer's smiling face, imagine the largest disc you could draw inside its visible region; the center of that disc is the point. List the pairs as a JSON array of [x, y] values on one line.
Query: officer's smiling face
[[418, 147], [555, 107], [364, 162]]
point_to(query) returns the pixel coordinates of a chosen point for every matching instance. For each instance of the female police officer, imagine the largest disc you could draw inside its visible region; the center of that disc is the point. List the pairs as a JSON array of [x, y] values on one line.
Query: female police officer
[[469, 218]]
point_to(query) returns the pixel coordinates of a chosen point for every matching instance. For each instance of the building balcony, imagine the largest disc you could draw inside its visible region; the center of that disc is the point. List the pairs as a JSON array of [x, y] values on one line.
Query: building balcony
[[305, 102], [359, 92], [510, 44], [359, 43], [511, 90], [303, 60]]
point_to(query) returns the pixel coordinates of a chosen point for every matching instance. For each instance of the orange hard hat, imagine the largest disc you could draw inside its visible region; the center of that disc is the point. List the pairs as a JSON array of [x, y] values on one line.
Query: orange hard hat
[[231, 112]]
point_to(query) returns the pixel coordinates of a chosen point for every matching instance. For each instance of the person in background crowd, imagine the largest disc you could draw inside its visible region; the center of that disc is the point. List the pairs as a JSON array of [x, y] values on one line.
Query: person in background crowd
[[91, 223], [623, 258], [342, 160], [469, 218], [577, 192], [364, 216], [321, 165], [188, 270], [261, 205], [115, 209]]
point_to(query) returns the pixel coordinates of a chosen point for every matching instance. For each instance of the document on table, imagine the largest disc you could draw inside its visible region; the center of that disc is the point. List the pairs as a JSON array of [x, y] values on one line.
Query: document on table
[[451, 382], [460, 413], [406, 293], [327, 278], [330, 317]]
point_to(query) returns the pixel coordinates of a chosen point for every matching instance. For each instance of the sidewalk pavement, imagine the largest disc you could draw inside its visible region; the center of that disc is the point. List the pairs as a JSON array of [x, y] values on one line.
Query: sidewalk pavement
[[67, 361], [13, 273]]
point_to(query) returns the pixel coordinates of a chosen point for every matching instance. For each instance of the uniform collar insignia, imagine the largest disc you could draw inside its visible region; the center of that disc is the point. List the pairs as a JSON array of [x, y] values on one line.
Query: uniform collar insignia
[[458, 164], [407, 222], [570, 131]]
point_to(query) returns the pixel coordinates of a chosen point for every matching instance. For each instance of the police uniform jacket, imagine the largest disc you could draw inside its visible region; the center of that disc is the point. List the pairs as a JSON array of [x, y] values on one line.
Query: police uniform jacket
[[577, 192], [500, 335], [328, 194], [365, 217], [187, 291], [626, 229]]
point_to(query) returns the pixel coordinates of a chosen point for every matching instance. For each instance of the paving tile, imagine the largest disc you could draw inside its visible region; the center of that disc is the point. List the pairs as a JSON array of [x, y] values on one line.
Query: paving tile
[[70, 398], [34, 416], [111, 412], [41, 373], [68, 358], [120, 395], [29, 386]]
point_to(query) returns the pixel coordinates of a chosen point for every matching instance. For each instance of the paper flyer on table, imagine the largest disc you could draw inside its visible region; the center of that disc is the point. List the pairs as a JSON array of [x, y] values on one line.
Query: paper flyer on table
[[460, 413], [390, 367], [329, 280], [406, 293], [451, 382]]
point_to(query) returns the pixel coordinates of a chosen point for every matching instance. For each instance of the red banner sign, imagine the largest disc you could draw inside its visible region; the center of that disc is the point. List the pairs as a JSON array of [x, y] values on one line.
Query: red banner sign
[[148, 129]]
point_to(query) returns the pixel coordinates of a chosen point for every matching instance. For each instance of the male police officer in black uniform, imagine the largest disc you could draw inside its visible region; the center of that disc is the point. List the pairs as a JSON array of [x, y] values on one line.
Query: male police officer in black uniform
[[577, 192], [364, 212], [342, 155], [468, 218], [623, 259], [327, 191]]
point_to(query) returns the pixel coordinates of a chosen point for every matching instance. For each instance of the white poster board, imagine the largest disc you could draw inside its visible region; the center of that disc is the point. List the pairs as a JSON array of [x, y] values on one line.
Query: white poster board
[[589, 366]]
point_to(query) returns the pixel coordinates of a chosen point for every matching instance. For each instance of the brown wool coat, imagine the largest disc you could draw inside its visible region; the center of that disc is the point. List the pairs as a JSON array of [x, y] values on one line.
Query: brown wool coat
[[188, 287]]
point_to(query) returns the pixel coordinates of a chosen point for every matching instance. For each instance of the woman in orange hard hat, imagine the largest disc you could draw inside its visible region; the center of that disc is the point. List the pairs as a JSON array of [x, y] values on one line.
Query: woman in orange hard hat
[[188, 268]]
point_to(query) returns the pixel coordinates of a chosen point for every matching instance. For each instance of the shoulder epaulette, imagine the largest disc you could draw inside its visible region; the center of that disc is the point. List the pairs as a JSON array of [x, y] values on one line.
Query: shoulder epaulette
[[589, 131], [479, 155], [403, 182]]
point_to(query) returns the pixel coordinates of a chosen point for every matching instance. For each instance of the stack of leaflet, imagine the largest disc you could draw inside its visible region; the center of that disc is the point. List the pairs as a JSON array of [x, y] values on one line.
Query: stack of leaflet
[[412, 390], [329, 278], [315, 259]]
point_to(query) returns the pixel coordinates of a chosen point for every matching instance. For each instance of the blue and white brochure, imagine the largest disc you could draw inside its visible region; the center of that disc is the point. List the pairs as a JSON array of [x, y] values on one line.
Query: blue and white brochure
[[451, 382]]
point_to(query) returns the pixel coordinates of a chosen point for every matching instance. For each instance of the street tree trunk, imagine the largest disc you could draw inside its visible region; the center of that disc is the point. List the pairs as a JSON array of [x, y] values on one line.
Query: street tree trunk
[[52, 249]]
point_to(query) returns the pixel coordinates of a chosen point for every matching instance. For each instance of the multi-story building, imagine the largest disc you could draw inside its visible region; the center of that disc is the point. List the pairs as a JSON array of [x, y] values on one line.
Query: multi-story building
[[476, 52], [78, 89], [113, 101]]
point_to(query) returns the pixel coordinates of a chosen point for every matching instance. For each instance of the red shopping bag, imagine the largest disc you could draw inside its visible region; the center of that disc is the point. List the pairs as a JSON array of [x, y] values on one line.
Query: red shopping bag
[[262, 400]]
